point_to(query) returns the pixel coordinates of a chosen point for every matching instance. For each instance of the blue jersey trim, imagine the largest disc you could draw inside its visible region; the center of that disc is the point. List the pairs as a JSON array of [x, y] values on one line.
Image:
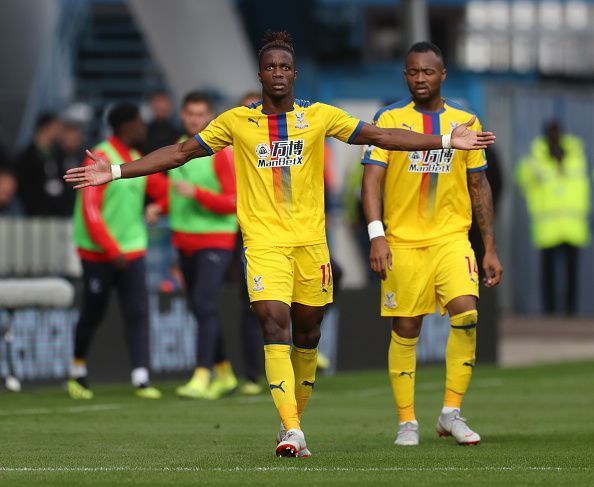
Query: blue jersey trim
[[373, 162], [457, 106], [256, 104], [356, 132], [478, 169], [399, 104], [302, 103], [204, 144]]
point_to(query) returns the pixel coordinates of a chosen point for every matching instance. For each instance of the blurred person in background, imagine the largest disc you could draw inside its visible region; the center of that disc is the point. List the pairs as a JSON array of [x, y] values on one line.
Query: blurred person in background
[[161, 130], [555, 181], [9, 205], [202, 205], [39, 167], [111, 236], [71, 143], [426, 200]]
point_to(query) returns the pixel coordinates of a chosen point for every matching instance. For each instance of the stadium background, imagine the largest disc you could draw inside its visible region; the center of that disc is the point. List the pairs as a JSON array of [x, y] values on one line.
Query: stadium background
[[517, 64]]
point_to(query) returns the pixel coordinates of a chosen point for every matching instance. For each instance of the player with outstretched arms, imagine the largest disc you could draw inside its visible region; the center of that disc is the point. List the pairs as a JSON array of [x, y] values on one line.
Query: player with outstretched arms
[[424, 257], [279, 159]]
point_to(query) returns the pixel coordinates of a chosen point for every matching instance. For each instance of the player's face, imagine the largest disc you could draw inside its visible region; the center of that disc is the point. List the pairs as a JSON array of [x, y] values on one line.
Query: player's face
[[135, 131], [424, 75], [196, 116], [277, 73]]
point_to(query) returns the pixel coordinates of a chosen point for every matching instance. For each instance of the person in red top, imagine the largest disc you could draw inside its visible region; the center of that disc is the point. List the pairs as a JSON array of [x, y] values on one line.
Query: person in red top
[[202, 207], [111, 237]]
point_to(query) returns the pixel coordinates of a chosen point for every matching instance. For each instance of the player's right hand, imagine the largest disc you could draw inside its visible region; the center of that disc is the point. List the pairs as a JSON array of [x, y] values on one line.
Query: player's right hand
[[380, 256], [91, 175]]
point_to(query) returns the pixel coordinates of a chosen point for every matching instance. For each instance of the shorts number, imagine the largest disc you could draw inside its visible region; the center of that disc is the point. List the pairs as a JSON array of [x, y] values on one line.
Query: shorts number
[[326, 274], [471, 268]]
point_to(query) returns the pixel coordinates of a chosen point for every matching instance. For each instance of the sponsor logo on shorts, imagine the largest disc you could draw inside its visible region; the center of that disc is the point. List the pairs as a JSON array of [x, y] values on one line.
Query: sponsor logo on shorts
[[390, 300], [258, 286], [431, 161], [281, 153]]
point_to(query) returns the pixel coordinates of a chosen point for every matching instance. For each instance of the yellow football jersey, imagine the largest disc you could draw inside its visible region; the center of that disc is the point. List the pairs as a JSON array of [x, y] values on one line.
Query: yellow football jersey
[[279, 163], [426, 199]]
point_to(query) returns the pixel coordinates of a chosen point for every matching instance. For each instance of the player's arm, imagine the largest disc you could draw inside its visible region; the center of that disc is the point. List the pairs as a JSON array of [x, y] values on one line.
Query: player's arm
[[462, 137], [482, 209], [380, 256], [162, 159]]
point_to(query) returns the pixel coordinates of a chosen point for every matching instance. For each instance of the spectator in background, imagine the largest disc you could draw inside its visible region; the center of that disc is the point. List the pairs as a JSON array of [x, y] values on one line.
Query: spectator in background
[[39, 172], [555, 181], [9, 206], [202, 207], [71, 145], [161, 130], [111, 236]]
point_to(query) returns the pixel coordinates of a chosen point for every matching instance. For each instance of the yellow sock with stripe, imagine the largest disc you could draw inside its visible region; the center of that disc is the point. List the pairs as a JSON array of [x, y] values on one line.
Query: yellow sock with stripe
[[402, 365], [305, 362], [460, 357], [281, 379]]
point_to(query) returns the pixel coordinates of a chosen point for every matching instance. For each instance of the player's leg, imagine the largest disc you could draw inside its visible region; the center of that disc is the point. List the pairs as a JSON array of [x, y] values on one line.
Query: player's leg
[[548, 279], [457, 287], [133, 298], [97, 282], [407, 294], [571, 292]]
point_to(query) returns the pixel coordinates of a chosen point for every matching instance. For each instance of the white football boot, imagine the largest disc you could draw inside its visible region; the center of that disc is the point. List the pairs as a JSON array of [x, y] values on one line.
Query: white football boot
[[452, 424], [293, 445], [408, 434]]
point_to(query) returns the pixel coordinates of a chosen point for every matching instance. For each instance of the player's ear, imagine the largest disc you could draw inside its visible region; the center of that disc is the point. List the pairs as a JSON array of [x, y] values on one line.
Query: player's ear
[[295, 76], [259, 77], [444, 73]]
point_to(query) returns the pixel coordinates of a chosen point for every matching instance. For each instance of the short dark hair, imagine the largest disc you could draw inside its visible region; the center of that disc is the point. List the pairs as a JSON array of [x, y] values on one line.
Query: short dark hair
[[121, 114], [45, 119], [198, 97], [426, 46], [277, 40]]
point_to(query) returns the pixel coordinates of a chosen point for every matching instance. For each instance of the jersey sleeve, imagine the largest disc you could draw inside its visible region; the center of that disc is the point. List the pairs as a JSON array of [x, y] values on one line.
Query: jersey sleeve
[[476, 160], [218, 134], [340, 125], [375, 155]]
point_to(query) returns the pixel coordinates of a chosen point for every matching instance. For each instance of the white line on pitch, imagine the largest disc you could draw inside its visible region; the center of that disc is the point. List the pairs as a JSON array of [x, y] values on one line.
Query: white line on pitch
[[293, 469], [73, 410]]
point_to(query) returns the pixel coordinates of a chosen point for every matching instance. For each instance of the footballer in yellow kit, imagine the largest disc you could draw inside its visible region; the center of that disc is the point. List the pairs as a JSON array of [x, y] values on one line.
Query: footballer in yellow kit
[[427, 213], [423, 254], [279, 163]]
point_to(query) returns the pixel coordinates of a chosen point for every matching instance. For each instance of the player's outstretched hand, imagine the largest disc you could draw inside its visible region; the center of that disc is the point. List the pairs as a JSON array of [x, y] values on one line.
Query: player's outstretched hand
[[91, 175], [466, 139], [492, 268], [380, 256]]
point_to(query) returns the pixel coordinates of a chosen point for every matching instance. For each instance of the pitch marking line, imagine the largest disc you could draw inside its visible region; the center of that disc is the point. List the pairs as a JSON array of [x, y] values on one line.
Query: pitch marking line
[[292, 469], [72, 410]]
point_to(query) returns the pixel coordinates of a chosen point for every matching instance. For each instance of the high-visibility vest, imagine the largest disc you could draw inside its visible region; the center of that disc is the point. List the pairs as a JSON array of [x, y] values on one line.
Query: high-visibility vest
[[122, 209], [557, 193], [188, 215]]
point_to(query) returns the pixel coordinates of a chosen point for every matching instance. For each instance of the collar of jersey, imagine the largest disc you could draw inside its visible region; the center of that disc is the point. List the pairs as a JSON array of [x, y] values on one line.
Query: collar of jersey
[[431, 113]]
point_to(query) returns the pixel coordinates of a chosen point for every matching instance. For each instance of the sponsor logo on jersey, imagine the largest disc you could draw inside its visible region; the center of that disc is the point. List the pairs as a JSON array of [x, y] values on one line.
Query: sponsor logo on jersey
[[406, 126], [390, 301], [431, 161], [254, 121], [282, 153], [258, 286], [300, 122]]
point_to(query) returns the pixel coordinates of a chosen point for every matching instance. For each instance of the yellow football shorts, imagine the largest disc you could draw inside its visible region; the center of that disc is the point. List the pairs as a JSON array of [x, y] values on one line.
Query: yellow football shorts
[[289, 274], [423, 277]]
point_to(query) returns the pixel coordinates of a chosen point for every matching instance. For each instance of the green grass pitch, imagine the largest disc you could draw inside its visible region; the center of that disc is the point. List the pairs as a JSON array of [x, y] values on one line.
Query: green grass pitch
[[537, 426]]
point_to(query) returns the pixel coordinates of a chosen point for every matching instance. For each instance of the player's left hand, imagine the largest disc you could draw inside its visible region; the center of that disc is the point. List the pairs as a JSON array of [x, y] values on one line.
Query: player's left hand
[[492, 268], [466, 139], [183, 188]]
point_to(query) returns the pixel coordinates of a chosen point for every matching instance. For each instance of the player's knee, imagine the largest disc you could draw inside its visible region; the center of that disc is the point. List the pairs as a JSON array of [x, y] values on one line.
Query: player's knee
[[407, 327], [465, 321], [307, 339]]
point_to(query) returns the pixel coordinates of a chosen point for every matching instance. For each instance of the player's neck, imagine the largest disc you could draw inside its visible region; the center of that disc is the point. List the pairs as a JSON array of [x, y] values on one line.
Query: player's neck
[[433, 105], [274, 106]]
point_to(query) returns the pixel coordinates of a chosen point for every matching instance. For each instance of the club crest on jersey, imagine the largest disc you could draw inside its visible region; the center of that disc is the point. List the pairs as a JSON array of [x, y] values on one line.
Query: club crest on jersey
[[390, 301], [453, 125], [282, 153], [258, 286], [300, 122], [431, 161]]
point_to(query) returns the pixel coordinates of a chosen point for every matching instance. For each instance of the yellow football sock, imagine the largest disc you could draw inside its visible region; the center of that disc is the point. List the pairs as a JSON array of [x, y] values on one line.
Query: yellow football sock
[[223, 370], [305, 362], [202, 375], [460, 357], [281, 379], [402, 365]]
